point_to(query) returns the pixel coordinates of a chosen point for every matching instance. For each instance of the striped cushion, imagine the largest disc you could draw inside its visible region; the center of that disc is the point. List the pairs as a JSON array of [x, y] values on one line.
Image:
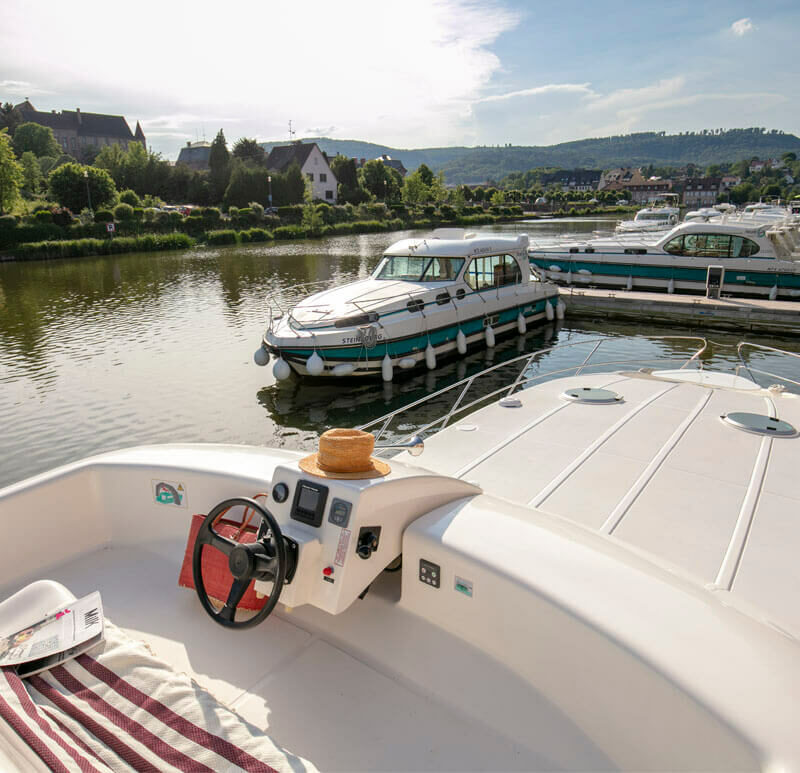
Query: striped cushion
[[117, 708]]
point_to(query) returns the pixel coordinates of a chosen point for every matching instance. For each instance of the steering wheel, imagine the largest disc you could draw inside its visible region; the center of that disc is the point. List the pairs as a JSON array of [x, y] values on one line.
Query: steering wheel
[[265, 559]]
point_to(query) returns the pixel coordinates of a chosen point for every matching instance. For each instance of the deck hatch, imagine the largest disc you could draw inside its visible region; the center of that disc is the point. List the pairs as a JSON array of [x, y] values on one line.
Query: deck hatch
[[759, 424], [591, 395]]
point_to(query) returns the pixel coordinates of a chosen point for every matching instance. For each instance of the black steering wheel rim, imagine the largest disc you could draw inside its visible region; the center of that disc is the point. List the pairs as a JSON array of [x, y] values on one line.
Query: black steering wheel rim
[[207, 537]]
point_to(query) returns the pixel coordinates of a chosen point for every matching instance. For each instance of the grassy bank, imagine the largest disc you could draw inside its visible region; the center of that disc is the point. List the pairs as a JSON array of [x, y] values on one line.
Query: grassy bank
[[79, 248]]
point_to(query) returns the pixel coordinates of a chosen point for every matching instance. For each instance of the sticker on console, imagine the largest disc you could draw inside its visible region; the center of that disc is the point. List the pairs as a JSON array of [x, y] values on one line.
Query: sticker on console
[[167, 492], [341, 548]]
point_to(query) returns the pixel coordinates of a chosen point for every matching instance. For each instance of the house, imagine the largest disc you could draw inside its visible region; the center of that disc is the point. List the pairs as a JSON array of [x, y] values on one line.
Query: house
[[757, 166], [77, 132], [313, 164], [195, 155], [575, 179], [729, 181], [394, 163], [701, 191], [641, 189]]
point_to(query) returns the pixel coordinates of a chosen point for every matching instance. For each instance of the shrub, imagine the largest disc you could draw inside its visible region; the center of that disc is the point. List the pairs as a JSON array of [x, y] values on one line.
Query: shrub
[[62, 216], [43, 216], [138, 213], [343, 228], [447, 212], [33, 232], [429, 210], [175, 219], [7, 222], [292, 213], [233, 212], [123, 212], [396, 224], [130, 197], [77, 248], [227, 236], [290, 232], [256, 235], [103, 216], [375, 211], [211, 214], [367, 226], [257, 209], [273, 221]]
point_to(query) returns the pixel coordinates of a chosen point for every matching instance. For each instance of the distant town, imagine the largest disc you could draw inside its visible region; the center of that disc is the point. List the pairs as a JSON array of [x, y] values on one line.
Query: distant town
[[69, 175]]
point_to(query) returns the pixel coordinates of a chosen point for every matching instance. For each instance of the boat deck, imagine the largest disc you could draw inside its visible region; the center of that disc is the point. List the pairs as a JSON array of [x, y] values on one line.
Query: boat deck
[[658, 472], [346, 692]]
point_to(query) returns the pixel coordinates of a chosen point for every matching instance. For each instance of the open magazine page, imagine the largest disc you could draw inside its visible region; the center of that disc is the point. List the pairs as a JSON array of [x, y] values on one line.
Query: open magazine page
[[58, 637]]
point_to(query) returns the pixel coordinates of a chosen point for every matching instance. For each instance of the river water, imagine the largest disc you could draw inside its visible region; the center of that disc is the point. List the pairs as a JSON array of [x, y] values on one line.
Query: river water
[[98, 354]]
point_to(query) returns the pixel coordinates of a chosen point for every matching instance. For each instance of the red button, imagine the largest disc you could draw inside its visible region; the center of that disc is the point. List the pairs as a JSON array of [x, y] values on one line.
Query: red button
[[328, 571]]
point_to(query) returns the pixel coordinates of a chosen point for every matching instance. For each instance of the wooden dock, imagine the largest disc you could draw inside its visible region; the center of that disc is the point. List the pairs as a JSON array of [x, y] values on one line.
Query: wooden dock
[[691, 310]]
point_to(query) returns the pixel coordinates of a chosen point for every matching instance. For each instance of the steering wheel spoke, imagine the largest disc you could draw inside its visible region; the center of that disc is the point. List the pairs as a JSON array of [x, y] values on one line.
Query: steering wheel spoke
[[228, 612], [268, 559]]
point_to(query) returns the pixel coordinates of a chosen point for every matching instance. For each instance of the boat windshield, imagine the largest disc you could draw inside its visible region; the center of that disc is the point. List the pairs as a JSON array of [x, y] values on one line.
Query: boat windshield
[[419, 268], [653, 215]]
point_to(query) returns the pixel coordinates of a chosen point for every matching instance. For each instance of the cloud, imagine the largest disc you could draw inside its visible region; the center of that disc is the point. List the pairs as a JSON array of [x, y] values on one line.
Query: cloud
[[550, 88], [741, 27], [21, 88], [369, 71]]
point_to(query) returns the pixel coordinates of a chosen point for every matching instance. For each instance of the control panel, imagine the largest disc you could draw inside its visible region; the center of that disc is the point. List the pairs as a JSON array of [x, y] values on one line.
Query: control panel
[[347, 532]]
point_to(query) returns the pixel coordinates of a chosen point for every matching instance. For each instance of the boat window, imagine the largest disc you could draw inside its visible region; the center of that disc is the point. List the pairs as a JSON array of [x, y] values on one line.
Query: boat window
[[406, 267], [492, 271], [653, 216], [442, 269], [418, 268], [711, 246]]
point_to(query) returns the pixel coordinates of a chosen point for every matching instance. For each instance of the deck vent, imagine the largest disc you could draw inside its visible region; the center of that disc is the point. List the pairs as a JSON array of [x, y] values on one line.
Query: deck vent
[[592, 395], [760, 424]]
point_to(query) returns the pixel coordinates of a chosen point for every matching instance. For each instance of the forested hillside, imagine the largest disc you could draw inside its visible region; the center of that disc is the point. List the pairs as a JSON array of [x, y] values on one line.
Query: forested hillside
[[475, 165]]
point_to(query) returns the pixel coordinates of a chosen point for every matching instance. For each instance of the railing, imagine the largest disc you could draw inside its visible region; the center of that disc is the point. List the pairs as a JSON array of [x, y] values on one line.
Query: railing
[[751, 370], [462, 387]]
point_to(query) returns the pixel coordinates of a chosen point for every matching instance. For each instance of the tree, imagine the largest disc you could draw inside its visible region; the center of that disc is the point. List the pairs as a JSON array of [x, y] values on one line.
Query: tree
[[219, 165], [248, 183], [312, 217], [742, 193], [498, 199], [425, 174], [415, 191], [250, 151], [350, 190], [68, 186], [37, 139], [31, 172], [11, 176], [295, 184], [9, 118], [377, 178], [111, 158], [789, 157]]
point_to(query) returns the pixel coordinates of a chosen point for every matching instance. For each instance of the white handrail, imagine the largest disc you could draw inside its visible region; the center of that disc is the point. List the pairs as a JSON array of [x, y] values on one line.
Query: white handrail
[[520, 381]]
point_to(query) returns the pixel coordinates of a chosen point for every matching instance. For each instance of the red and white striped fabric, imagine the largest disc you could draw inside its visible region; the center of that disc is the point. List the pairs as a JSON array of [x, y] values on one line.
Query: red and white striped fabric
[[117, 708]]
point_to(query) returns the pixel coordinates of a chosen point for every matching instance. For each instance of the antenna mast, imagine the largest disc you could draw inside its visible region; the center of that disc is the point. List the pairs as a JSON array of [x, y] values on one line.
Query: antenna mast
[[291, 132]]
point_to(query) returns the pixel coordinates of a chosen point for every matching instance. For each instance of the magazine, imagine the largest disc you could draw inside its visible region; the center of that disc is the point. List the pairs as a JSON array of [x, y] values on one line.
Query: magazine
[[65, 634]]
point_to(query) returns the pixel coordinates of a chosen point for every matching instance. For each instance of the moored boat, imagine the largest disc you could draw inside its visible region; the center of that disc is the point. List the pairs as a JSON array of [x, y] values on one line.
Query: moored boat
[[428, 298], [739, 256], [661, 214]]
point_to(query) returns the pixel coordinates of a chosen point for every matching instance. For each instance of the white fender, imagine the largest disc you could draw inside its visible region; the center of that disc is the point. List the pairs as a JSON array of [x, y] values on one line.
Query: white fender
[[387, 371], [281, 369], [671, 286], [315, 365], [344, 369], [461, 342], [569, 277], [549, 312], [261, 356], [629, 283], [407, 362], [489, 337], [554, 268], [522, 325], [560, 310], [773, 294], [430, 356]]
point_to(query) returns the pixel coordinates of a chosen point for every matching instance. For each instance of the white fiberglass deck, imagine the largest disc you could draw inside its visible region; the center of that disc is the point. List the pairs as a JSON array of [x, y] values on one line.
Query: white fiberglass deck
[[658, 471]]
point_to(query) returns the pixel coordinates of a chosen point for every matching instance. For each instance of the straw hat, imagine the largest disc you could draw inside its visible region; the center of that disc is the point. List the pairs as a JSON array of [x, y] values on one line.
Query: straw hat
[[345, 454]]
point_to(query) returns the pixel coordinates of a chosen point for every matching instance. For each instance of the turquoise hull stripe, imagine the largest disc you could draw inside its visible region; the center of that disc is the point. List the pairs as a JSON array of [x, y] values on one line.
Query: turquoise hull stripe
[[418, 343], [679, 273]]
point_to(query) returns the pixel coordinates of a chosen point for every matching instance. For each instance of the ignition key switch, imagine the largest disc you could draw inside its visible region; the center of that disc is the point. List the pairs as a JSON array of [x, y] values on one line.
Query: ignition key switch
[[368, 538]]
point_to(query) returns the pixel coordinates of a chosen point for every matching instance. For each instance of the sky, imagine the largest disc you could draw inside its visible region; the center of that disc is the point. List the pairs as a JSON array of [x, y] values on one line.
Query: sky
[[411, 74]]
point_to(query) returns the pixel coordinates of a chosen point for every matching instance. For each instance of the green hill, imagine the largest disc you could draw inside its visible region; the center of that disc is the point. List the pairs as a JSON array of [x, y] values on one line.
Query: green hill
[[476, 165]]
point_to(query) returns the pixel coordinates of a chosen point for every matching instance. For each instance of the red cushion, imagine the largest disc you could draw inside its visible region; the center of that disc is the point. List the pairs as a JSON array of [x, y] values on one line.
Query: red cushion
[[217, 577]]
